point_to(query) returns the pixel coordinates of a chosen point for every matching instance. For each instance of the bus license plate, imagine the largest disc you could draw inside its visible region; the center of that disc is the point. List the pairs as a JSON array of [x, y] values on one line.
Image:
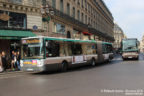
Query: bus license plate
[[30, 69], [130, 57]]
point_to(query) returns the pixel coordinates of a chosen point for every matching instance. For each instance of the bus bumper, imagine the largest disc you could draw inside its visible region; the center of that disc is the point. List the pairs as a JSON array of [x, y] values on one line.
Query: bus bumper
[[130, 56], [33, 69]]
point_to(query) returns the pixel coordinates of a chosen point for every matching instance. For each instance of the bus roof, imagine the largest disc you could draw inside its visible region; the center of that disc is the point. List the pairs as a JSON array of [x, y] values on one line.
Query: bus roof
[[62, 39], [107, 43], [130, 39], [69, 40], [65, 39]]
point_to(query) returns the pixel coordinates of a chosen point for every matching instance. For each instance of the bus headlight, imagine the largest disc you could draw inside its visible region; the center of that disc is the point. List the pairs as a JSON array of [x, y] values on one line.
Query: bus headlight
[[21, 63], [40, 63]]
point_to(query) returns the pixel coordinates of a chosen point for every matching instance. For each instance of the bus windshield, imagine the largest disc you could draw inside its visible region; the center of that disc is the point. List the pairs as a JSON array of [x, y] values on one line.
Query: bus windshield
[[32, 49], [129, 45]]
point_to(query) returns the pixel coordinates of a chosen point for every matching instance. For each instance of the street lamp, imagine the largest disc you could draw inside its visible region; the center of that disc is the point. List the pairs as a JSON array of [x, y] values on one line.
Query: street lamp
[[47, 12]]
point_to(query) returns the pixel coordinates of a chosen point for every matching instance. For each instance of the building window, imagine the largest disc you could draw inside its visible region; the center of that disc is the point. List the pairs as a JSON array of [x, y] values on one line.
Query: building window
[[78, 15], [82, 3], [82, 17], [73, 15], [89, 21], [86, 4], [12, 20], [89, 7], [43, 2], [59, 28], [78, 2], [54, 3], [68, 8], [61, 5], [85, 19], [15, 1]]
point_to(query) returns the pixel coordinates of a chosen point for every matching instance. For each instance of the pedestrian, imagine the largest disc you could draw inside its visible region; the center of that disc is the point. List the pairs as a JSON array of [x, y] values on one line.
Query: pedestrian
[[13, 57], [1, 66], [4, 61], [18, 60]]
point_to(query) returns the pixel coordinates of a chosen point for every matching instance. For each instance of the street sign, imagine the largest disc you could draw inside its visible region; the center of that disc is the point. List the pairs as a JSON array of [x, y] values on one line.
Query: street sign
[[35, 27]]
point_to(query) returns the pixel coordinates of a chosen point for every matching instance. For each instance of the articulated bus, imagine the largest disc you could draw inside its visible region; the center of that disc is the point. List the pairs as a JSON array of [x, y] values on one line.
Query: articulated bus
[[51, 53], [130, 48]]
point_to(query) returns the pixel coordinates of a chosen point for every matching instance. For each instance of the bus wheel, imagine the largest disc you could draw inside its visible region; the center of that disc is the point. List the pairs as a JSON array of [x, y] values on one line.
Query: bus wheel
[[93, 63], [137, 58], [123, 59], [64, 67], [109, 59]]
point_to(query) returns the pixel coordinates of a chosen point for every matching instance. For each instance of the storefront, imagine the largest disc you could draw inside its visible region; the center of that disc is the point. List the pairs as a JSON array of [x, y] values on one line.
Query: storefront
[[12, 28], [10, 39], [12, 20], [87, 36]]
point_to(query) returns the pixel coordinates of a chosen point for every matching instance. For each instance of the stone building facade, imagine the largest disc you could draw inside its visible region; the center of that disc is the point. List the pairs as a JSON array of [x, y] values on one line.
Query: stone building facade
[[31, 8], [79, 19], [76, 19], [18, 19], [142, 45], [118, 35]]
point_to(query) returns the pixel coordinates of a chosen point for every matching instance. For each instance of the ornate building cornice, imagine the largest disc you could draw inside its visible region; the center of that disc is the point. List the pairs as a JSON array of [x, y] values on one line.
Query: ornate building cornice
[[19, 8]]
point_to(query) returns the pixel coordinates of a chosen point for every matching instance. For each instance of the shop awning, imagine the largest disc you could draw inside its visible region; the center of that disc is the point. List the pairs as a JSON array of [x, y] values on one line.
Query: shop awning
[[86, 33], [15, 34]]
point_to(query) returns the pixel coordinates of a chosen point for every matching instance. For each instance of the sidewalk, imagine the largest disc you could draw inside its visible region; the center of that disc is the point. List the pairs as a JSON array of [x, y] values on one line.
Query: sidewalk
[[9, 72]]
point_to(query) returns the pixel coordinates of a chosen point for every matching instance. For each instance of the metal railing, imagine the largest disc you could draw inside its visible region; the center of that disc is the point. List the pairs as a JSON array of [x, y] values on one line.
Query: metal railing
[[69, 18], [79, 23]]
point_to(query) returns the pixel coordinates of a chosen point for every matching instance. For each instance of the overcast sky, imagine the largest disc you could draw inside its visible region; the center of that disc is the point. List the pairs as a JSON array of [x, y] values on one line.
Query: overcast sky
[[129, 15]]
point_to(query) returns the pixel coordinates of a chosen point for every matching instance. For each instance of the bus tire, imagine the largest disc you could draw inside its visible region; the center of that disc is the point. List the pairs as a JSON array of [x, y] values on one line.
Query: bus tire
[[137, 58], [109, 59], [123, 59], [64, 67], [93, 62]]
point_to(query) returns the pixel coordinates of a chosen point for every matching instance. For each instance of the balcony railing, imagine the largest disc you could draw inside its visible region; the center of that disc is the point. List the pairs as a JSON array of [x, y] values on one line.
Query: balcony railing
[[105, 35], [76, 22], [69, 18]]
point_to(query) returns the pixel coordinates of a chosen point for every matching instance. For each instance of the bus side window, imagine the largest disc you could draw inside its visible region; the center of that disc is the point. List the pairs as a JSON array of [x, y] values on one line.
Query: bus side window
[[68, 49], [62, 50], [109, 49], [96, 48], [90, 49], [84, 49], [76, 49], [53, 49], [104, 51]]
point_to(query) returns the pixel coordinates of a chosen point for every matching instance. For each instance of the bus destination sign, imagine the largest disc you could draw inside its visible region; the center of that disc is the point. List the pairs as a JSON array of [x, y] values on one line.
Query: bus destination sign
[[30, 41]]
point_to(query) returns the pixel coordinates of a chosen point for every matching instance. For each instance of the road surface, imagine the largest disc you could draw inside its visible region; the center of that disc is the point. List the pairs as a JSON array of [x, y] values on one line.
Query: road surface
[[117, 78]]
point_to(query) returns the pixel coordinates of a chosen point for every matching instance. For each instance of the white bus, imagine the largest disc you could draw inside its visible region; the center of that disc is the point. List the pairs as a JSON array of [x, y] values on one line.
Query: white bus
[[50, 53], [130, 48]]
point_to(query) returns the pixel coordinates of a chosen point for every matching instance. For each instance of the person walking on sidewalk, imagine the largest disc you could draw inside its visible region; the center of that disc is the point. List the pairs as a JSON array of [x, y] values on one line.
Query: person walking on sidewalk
[[4, 61], [14, 61], [1, 65], [18, 60]]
